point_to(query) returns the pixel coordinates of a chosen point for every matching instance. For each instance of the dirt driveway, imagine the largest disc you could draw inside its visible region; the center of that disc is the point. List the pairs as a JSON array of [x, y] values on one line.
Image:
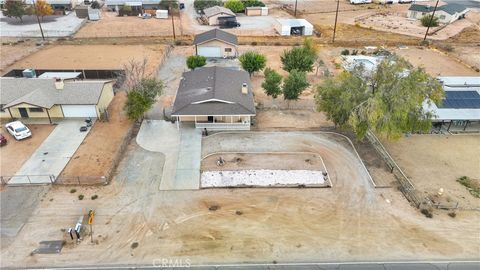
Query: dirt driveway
[[351, 221], [15, 153]]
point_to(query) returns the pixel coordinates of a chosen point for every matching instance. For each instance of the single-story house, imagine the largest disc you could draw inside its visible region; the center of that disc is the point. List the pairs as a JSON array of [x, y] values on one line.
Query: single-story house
[[217, 98], [446, 13], [145, 4], [460, 109], [216, 43], [212, 14], [58, 4], [53, 98], [292, 27], [256, 11]]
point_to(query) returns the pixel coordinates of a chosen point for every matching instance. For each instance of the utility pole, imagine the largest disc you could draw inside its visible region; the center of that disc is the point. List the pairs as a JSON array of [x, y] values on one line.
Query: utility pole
[[295, 12], [431, 20], [38, 20], [335, 26], [173, 23]]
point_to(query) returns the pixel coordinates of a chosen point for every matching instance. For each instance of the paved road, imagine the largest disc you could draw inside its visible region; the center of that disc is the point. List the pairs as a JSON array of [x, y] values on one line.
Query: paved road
[[53, 154], [470, 265]]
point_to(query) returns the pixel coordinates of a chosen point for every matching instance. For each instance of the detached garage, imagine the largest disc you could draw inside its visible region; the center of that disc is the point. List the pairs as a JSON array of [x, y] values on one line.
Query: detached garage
[[216, 44], [294, 27], [54, 98]]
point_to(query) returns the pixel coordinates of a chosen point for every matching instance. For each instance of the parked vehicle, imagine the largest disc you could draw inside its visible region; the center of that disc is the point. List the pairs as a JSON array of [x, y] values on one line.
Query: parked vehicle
[[3, 140], [360, 1], [18, 130]]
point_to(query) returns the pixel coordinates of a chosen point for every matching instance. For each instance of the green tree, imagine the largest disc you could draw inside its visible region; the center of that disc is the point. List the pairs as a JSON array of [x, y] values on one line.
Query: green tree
[[15, 8], [95, 5], [203, 4], [300, 58], [142, 97], [168, 4], [252, 3], [428, 21], [252, 62], [389, 101], [235, 5], [294, 84], [195, 61], [272, 83]]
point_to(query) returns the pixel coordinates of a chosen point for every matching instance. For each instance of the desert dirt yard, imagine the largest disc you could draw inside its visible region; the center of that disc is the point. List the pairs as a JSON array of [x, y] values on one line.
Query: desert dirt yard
[[92, 57], [137, 223], [98, 152], [436, 161], [12, 50]]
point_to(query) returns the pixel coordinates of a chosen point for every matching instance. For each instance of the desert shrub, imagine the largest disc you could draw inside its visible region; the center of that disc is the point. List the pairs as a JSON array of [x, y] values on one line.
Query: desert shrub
[[254, 43], [235, 5], [452, 214], [73, 190], [252, 3], [426, 213], [354, 52], [345, 52], [428, 21], [80, 197], [94, 197], [473, 186], [195, 61]]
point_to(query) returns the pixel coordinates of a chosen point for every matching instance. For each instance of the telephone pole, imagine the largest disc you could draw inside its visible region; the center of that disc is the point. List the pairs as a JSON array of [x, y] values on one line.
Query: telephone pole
[[295, 12], [335, 26], [173, 23], [38, 19], [431, 20]]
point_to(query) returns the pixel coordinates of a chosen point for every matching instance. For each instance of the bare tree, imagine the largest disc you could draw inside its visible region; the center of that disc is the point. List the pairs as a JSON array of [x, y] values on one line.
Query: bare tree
[[133, 73]]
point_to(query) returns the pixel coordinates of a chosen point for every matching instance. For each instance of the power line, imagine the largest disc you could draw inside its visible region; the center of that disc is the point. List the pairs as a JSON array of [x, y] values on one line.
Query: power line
[[431, 20]]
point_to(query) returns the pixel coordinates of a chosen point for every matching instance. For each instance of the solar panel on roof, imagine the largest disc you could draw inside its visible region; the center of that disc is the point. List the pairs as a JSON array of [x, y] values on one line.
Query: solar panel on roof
[[461, 100]]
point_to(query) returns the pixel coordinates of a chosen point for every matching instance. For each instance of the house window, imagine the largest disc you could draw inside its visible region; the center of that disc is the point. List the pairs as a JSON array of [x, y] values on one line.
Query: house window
[[228, 49], [35, 109]]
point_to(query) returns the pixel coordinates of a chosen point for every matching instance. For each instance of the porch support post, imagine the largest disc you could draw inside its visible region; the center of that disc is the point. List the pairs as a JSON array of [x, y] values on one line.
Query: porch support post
[[231, 119], [178, 122], [195, 120], [49, 119], [466, 124], [10, 112], [449, 125]]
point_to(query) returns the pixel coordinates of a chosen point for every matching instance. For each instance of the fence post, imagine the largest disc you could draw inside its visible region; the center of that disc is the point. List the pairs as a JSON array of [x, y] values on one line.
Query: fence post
[[29, 181], [78, 179]]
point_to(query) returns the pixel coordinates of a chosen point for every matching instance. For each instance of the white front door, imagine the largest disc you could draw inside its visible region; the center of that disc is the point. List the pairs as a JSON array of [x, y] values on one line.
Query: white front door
[[210, 51], [79, 111]]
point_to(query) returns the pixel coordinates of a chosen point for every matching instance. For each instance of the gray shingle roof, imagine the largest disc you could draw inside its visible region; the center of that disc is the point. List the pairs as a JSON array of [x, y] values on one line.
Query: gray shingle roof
[[448, 8], [42, 92], [212, 11], [215, 34], [220, 90]]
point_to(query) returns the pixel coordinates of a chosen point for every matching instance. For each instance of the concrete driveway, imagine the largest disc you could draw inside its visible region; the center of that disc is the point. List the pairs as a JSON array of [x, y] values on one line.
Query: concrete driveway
[[182, 149], [48, 161]]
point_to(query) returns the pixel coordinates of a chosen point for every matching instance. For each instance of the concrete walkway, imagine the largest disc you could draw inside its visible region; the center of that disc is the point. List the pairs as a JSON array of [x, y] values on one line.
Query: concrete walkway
[[181, 147], [48, 161]]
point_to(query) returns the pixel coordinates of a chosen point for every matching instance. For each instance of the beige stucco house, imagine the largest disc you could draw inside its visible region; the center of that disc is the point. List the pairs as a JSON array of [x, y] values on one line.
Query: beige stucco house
[[212, 14], [50, 98], [217, 98], [446, 13], [216, 43]]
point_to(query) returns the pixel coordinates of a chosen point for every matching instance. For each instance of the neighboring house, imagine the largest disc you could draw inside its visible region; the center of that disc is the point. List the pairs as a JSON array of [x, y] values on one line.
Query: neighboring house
[[215, 98], [50, 98], [460, 109], [216, 43], [58, 4], [145, 4], [446, 14], [212, 14]]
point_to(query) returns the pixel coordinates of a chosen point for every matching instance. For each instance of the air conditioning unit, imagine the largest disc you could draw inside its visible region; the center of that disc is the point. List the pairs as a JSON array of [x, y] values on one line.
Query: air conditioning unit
[[29, 73]]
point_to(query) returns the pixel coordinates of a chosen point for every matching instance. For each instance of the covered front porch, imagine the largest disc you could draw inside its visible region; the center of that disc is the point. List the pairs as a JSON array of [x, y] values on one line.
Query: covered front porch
[[217, 122]]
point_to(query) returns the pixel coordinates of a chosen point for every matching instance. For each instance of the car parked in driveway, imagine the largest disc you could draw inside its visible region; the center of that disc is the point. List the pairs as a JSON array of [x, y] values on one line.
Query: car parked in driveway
[[18, 130], [3, 140]]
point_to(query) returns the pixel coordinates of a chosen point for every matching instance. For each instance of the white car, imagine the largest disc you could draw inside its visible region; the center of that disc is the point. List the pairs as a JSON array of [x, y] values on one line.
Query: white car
[[18, 130]]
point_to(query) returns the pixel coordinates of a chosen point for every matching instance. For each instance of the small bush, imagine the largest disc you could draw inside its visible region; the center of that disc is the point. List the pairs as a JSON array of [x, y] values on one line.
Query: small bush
[[428, 21], [134, 245], [235, 5], [473, 186], [80, 197], [95, 5], [178, 42], [214, 208], [354, 52], [452, 214], [73, 190], [254, 43], [195, 61], [426, 213], [345, 52], [277, 44], [94, 197], [126, 8], [363, 52]]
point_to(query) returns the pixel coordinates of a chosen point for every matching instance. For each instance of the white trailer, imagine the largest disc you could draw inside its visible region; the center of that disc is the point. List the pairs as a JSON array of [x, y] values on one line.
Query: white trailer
[[161, 14]]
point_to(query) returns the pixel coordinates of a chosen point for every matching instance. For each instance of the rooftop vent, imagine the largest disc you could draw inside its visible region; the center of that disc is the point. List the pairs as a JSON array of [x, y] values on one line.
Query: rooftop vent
[[59, 84], [244, 88]]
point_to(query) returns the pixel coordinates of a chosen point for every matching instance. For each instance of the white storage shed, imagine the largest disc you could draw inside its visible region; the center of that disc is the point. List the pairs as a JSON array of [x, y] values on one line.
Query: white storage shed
[[161, 14], [289, 27]]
